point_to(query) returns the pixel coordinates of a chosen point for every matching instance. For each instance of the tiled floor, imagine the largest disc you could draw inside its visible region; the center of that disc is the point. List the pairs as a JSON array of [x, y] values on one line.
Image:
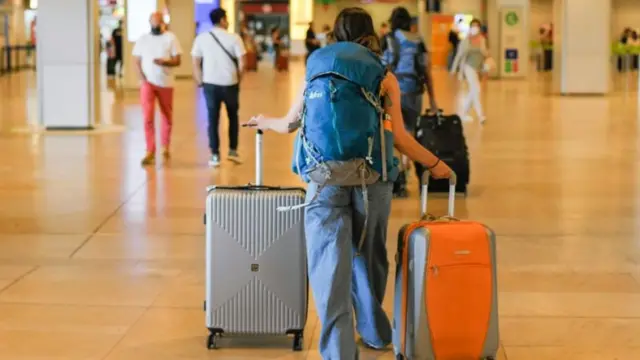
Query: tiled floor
[[101, 259]]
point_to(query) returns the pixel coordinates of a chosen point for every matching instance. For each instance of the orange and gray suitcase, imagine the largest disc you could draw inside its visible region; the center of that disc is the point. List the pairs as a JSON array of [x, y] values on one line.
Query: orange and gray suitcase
[[446, 296], [256, 267]]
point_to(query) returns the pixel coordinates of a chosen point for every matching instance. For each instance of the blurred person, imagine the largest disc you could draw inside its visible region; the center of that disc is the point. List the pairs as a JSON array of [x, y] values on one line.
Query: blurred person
[[252, 57], [311, 42], [156, 54], [470, 62], [414, 25], [344, 281], [218, 63], [116, 38], [384, 30], [406, 55], [323, 35]]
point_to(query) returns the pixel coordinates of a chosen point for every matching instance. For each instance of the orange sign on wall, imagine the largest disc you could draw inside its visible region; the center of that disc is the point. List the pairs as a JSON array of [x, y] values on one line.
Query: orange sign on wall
[[440, 47]]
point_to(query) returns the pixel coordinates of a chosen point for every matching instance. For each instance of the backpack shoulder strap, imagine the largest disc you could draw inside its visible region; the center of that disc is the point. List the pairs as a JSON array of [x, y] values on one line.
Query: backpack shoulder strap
[[394, 46]]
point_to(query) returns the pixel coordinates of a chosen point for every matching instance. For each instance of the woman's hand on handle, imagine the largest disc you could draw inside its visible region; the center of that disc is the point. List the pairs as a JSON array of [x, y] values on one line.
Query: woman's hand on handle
[[259, 122], [264, 123], [440, 170]]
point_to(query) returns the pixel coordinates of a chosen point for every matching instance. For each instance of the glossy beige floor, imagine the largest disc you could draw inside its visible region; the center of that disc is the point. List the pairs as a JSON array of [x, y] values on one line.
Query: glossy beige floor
[[101, 259]]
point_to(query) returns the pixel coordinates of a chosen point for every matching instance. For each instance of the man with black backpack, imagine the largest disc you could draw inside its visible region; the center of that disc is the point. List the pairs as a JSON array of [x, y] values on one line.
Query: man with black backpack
[[405, 54]]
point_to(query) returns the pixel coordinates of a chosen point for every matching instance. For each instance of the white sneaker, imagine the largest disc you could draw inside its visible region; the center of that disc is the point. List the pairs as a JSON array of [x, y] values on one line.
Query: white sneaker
[[214, 161], [234, 157]]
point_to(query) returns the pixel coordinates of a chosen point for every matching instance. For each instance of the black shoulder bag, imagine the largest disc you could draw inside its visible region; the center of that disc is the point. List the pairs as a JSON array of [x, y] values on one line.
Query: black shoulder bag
[[233, 58]]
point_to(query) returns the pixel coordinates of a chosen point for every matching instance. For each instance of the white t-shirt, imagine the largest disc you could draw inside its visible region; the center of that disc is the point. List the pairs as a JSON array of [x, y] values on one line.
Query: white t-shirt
[[151, 47], [217, 67]]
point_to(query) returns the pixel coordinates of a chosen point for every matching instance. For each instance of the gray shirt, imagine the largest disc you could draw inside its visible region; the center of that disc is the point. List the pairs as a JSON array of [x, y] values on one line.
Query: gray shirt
[[470, 54]]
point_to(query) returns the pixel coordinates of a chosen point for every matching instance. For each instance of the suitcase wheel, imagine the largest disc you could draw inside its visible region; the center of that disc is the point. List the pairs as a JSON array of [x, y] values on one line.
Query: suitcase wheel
[[298, 341], [212, 339]]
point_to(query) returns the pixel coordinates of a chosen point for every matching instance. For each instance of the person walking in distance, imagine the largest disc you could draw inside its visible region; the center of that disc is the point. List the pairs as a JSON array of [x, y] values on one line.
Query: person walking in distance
[[156, 54], [472, 59], [406, 55], [218, 60]]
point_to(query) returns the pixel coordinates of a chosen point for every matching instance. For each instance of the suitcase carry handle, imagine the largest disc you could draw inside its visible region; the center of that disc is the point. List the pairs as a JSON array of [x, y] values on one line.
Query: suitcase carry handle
[[425, 189], [259, 158]]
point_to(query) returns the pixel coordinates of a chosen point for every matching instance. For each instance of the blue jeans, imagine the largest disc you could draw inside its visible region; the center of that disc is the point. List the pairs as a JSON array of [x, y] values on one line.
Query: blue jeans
[[340, 281]]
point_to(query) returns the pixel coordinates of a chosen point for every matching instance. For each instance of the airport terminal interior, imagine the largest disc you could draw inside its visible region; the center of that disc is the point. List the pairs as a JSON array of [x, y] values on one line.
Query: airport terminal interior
[[102, 258]]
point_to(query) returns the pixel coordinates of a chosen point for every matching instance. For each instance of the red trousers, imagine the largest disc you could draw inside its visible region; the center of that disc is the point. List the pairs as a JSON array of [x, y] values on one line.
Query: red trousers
[[148, 94]]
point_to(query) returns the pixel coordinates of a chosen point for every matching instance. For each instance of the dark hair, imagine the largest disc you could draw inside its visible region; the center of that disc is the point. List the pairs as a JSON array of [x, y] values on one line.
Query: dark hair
[[355, 25], [475, 21], [216, 15], [400, 19]]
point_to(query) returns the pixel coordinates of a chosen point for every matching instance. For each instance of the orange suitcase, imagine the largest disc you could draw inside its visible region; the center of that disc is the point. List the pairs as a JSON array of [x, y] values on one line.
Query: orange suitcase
[[282, 62], [251, 63], [446, 296]]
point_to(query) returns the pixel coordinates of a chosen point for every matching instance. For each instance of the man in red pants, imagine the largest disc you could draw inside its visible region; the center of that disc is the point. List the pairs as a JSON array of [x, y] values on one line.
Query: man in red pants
[[156, 53]]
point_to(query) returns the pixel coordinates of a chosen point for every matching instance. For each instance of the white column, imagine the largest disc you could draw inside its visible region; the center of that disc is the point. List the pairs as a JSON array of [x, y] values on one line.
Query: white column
[[471, 7], [581, 46], [17, 27], [300, 15], [508, 37], [68, 64], [183, 24]]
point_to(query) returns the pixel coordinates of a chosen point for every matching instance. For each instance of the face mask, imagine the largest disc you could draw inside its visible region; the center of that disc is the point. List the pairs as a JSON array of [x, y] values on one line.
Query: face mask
[[474, 30], [156, 30]]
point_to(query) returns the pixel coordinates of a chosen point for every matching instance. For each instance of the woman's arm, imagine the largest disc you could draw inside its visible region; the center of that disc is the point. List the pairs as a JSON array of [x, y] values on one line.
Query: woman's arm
[[403, 141], [485, 48], [462, 50], [287, 124]]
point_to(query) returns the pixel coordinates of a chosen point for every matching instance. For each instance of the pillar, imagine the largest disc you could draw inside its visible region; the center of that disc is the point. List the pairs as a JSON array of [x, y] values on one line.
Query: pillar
[[508, 37], [581, 47], [68, 64], [17, 27], [300, 15], [183, 25]]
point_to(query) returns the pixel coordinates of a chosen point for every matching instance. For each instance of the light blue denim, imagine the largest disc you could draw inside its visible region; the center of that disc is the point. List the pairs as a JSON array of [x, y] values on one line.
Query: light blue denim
[[341, 281]]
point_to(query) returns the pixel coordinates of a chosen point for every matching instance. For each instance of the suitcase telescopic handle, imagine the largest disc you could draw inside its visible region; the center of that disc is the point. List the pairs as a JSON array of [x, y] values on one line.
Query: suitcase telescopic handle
[[259, 169], [425, 192]]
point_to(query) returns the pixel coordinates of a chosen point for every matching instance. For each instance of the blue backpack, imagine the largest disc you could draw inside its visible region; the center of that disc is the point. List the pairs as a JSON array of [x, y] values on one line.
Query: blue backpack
[[405, 56], [345, 137]]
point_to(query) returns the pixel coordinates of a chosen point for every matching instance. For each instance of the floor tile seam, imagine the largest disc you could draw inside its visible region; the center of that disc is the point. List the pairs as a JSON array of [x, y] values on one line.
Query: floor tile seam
[[125, 333], [107, 218], [15, 281], [76, 305]]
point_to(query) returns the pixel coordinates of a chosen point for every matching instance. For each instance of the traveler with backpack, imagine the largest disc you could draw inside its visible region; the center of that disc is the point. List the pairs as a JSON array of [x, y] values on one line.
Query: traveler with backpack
[[406, 56], [350, 120]]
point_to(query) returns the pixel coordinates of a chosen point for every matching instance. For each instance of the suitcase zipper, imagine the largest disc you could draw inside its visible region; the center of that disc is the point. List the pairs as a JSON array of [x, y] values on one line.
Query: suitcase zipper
[[435, 269]]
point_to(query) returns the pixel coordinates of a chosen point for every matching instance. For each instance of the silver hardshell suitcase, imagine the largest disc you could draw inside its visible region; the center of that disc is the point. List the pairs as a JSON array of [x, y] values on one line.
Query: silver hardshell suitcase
[[256, 266]]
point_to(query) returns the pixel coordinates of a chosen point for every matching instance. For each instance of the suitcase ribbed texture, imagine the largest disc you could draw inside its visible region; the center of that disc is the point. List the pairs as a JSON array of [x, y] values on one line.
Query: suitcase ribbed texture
[[250, 218], [255, 311]]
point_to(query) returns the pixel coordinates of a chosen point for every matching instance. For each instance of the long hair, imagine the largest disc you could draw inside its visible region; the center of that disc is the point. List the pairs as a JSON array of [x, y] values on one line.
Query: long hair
[[400, 19], [355, 25]]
